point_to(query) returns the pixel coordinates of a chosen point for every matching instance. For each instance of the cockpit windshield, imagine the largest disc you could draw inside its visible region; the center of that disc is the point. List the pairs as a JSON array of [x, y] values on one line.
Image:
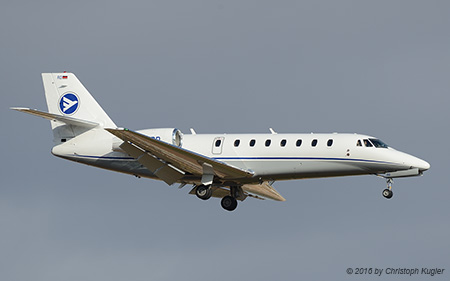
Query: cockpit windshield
[[378, 143]]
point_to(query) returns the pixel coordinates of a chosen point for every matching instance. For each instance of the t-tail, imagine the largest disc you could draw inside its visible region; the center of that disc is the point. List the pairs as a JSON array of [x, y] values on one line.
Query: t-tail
[[71, 108]]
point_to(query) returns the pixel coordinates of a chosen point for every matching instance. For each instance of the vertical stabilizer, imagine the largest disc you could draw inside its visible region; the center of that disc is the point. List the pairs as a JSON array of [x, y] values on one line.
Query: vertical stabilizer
[[66, 96]]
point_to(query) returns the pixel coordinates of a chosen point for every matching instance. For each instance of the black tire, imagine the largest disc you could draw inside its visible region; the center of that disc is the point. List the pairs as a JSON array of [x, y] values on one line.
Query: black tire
[[203, 192], [387, 193], [229, 203]]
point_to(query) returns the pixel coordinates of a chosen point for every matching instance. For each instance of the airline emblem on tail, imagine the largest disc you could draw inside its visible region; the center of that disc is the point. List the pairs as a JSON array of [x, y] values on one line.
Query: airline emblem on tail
[[68, 103]]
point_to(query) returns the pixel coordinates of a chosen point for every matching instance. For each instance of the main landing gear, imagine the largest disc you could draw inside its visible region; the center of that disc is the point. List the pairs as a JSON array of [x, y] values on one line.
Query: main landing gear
[[203, 192], [387, 193], [229, 202]]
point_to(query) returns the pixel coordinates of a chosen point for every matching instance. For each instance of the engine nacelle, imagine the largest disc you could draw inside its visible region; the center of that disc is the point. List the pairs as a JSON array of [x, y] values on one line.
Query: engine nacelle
[[169, 135]]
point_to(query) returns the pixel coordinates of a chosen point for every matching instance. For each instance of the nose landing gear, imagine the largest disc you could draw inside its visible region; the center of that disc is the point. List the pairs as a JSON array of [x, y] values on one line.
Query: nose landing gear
[[387, 193]]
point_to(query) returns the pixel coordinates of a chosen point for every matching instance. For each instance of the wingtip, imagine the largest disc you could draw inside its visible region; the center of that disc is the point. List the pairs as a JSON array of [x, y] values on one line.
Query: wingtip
[[19, 108], [116, 129], [111, 130]]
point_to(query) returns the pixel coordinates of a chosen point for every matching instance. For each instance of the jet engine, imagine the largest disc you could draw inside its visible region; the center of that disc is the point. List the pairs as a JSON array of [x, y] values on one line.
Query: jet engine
[[169, 135]]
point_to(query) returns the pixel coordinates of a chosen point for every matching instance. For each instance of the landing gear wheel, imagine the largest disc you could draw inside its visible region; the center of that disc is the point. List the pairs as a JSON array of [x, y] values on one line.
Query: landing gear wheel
[[203, 192], [229, 203], [387, 193]]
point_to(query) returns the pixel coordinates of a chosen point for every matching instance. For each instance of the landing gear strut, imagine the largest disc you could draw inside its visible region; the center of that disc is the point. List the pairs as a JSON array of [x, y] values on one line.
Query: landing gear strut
[[387, 193], [203, 192]]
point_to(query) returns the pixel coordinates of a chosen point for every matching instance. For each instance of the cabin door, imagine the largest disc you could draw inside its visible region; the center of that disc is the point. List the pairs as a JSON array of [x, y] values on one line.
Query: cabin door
[[217, 145]]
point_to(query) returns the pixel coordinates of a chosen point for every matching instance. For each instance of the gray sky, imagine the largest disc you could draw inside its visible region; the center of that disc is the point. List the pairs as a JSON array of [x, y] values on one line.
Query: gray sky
[[375, 67]]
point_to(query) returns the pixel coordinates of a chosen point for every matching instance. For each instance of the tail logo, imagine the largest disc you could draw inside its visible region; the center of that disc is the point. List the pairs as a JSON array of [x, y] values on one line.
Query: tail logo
[[69, 103]]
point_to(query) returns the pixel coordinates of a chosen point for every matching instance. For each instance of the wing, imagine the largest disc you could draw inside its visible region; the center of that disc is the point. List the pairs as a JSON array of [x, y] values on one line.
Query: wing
[[183, 160], [264, 189], [259, 191], [170, 163]]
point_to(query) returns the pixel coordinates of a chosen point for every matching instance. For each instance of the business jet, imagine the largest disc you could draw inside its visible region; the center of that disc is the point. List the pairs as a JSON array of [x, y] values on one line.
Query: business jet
[[228, 166]]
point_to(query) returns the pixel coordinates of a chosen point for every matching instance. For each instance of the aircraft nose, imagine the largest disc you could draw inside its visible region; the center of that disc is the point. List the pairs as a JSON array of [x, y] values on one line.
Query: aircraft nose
[[413, 162], [422, 165]]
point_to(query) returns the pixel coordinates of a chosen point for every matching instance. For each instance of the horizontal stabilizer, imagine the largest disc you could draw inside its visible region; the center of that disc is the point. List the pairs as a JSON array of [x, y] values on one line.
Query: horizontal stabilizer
[[56, 117]]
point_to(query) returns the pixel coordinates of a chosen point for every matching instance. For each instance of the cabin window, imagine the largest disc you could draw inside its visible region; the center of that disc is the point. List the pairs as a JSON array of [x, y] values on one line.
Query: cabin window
[[237, 142], [218, 142], [298, 142], [252, 142], [314, 142], [268, 142], [283, 143], [367, 143], [358, 143], [330, 142]]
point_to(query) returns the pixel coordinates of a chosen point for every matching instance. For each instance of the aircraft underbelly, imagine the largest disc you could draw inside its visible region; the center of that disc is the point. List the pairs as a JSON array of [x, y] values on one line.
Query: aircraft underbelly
[[282, 169], [268, 169], [127, 166]]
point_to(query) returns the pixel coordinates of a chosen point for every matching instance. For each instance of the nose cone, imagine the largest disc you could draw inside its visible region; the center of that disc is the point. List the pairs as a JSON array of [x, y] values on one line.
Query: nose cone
[[418, 163], [422, 165], [414, 162]]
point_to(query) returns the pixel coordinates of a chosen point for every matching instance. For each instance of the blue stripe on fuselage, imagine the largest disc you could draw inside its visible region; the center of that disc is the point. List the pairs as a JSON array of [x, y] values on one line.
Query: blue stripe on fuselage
[[254, 158]]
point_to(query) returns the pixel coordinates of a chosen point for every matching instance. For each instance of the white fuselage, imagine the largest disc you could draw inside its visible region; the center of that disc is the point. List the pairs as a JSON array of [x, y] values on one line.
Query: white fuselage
[[269, 156], [229, 166]]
